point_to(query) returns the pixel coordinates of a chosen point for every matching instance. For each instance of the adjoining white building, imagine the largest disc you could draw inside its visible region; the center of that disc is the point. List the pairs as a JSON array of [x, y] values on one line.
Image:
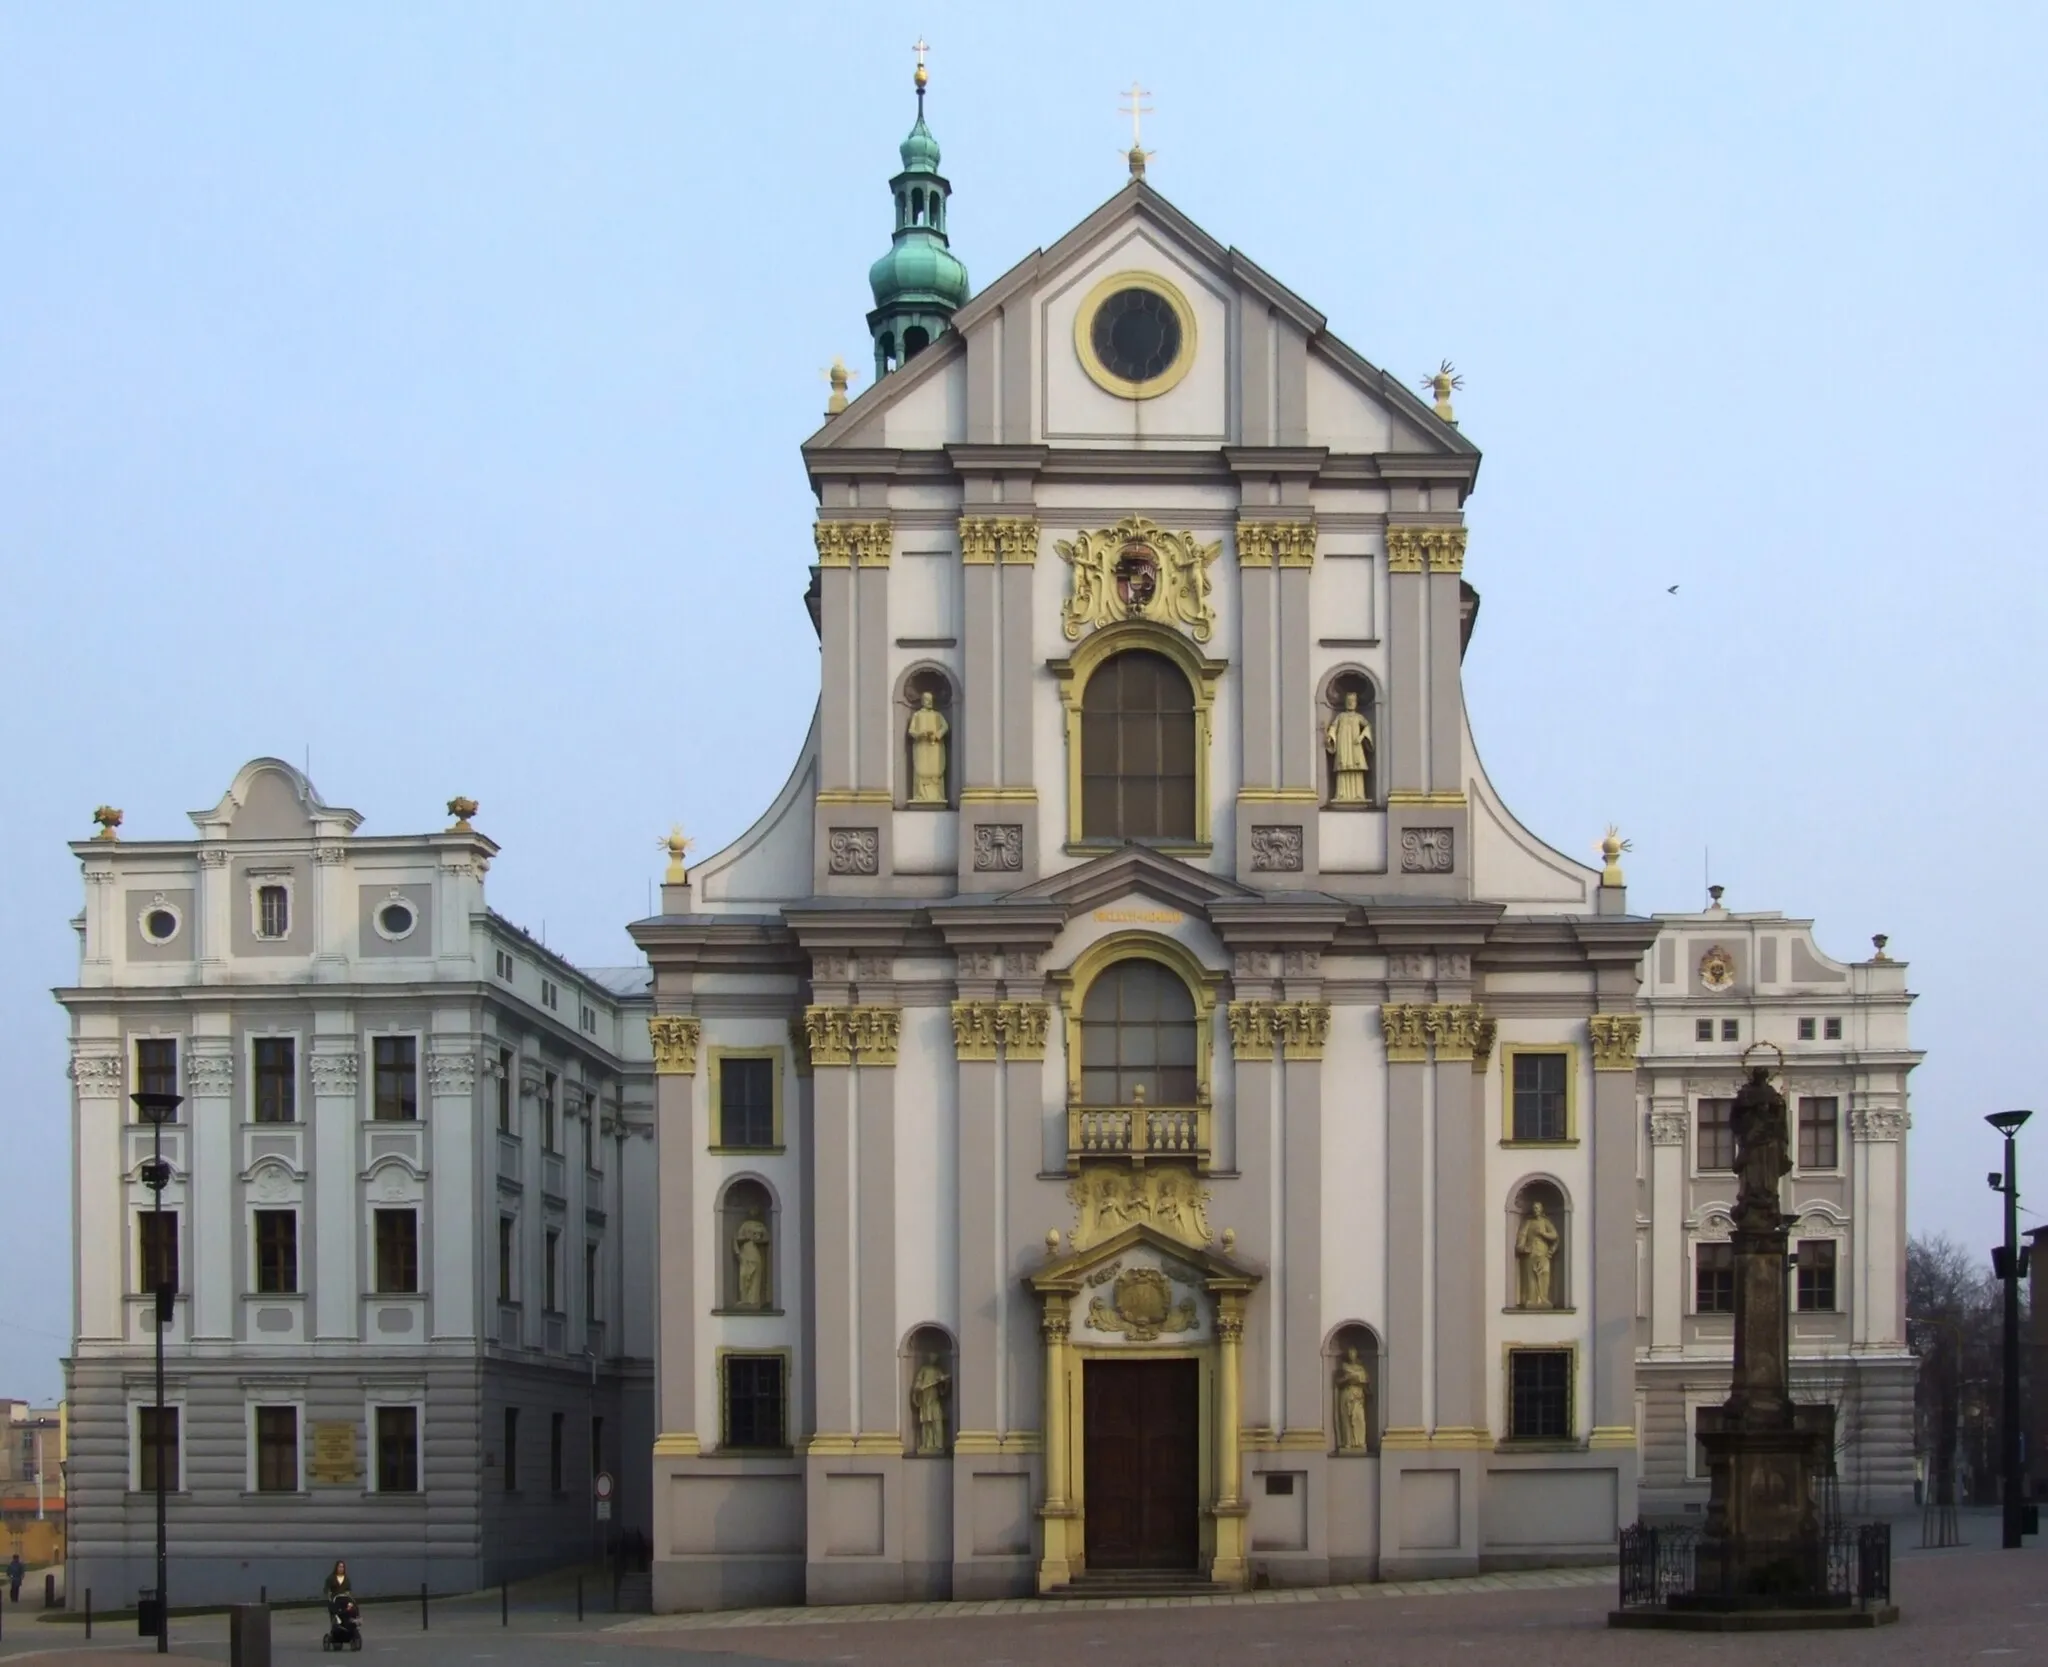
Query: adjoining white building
[[409, 1223], [1716, 984]]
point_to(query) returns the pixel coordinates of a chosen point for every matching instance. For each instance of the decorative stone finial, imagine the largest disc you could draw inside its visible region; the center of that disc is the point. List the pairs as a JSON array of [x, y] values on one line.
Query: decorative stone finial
[[1877, 942], [1137, 109], [840, 378], [109, 819], [677, 848], [1230, 1241], [1441, 384], [1052, 1243], [1138, 1096], [1611, 849], [462, 810], [1714, 892]]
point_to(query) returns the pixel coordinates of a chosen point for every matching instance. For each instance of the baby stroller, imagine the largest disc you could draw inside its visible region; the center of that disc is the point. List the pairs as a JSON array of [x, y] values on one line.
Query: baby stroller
[[344, 1624]]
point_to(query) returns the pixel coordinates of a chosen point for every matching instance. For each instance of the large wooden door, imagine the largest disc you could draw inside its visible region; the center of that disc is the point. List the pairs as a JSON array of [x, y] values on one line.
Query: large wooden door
[[1141, 1423]]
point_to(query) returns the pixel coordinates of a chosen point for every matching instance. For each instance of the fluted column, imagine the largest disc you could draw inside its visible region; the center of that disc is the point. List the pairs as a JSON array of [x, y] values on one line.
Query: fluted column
[[1055, 1566], [1231, 1511]]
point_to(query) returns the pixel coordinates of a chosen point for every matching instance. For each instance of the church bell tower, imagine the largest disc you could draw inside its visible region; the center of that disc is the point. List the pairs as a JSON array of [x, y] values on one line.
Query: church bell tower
[[920, 282]]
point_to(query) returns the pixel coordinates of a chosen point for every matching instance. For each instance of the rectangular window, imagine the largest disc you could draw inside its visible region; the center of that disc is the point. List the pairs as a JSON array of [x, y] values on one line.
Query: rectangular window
[[1703, 1030], [277, 1080], [1540, 1394], [1539, 1096], [505, 1090], [277, 1449], [746, 1102], [157, 1239], [1820, 1122], [1831, 1030], [398, 1251], [398, 1449], [754, 1401], [273, 911], [590, 1282], [550, 1134], [277, 1250], [156, 1065], [1713, 1281], [1816, 1276], [1731, 1030], [555, 1453], [550, 994], [590, 1019], [505, 1231], [157, 1444], [1807, 1030], [398, 1079], [1715, 1147], [511, 1449], [504, 966], [552, 1272]]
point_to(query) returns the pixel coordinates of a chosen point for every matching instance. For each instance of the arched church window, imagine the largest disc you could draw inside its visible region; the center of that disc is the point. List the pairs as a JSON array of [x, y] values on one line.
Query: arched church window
[[1138, 1032], [1350, 742], [917, 208], [903, 208], [915, 340], [1138, 750]]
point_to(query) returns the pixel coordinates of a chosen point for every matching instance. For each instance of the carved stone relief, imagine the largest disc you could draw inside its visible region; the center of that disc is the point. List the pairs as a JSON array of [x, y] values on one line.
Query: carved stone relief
[[1426, 851], [1140, 1305], [455, 1073], [1107, 1200], [998, 847], [1138, 570], [1276, 849], [853, 851], [98, 1076]]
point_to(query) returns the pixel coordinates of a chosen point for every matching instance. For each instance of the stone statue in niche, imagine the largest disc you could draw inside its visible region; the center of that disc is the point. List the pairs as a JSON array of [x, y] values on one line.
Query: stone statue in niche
[[1536, 1253], [1354, 1405], [928, 1403], [1348, 740], [750, 1246], [928, 731]]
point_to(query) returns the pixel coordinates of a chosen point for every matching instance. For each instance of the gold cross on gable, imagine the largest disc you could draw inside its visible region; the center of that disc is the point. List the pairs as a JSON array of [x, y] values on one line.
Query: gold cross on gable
[[920, 49], [1136, 109]]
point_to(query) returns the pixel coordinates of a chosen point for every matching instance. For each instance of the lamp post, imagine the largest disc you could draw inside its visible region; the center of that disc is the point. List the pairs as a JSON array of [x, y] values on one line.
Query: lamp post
[[156, 1110], [2008, 1124]]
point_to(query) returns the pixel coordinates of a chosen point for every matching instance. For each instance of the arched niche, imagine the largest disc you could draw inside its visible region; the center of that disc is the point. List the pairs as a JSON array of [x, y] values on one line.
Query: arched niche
[[1330, 702], [929, 1368], [1539, 1246], [1351, 1371], [926, 678], [749, 1248]]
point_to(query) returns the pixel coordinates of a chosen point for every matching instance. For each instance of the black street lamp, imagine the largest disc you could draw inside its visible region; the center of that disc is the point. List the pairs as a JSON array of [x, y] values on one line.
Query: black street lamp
[[2006, 1264], [156, 1110]]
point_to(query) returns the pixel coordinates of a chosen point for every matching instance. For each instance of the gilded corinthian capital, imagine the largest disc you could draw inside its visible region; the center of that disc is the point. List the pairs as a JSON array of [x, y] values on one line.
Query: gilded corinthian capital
[[1402, 1025], [1615, 1036], [675, 1037]]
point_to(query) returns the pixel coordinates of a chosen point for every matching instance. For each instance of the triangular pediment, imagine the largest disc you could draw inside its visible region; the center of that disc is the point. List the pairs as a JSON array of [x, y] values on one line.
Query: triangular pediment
[[1007, 372], [1133, 870], [1217, 1271]]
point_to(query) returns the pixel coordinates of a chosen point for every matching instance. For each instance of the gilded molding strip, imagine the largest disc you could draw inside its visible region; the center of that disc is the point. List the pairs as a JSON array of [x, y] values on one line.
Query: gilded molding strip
[[846, 1035], [675, 1037], [683, 1445], [839, 1445], [1457, 1031], [854, 796], [852, 543], [1611, 1437], [983, 1443], [1298, 1029], [1442, 547], [1017, 1029], [1413, 796], [1615, 1037]]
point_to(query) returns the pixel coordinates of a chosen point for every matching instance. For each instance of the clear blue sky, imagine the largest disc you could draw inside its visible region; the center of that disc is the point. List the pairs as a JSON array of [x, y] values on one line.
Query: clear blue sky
[[420, 388]]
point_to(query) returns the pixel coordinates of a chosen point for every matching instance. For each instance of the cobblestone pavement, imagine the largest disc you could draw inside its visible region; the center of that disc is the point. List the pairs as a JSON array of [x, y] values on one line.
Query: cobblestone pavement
[[1958, 1606]]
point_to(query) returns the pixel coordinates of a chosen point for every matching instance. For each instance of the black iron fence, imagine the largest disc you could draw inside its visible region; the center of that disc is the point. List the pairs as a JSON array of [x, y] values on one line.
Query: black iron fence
[[1845, 1565]]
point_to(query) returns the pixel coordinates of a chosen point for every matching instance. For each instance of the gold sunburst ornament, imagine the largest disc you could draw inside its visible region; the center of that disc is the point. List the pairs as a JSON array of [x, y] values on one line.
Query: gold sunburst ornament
[[677, 847], [1611, 848], [1441, 384]]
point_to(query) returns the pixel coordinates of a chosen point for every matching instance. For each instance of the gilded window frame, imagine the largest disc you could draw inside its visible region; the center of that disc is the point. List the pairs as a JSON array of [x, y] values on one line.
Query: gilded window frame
[[1509, 1052], [1071, 988], [1568, 1347], [1091, 361], [786, 1356], [1078, 669]]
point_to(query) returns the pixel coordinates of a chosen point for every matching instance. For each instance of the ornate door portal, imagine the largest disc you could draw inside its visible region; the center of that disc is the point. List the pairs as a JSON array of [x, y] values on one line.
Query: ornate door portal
[[1141, 1424]]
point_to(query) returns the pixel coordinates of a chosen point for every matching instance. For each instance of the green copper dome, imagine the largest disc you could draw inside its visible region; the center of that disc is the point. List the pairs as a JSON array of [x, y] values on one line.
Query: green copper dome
[[920, 282]]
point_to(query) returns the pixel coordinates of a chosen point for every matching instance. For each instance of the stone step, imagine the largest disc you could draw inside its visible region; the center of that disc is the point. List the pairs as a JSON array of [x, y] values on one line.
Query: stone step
[[1138, 1583]]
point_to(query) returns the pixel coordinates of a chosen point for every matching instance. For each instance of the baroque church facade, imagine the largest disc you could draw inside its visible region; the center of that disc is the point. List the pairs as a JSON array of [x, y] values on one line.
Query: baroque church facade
[[1138, 1099]]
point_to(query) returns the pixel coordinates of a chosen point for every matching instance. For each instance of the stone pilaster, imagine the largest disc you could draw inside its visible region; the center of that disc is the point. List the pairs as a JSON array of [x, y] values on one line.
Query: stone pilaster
[[1612, 1133]]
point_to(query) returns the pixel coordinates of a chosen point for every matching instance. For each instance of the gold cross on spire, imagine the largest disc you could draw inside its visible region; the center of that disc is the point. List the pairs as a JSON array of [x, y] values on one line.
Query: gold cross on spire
[[921, 49], [1137, 109]]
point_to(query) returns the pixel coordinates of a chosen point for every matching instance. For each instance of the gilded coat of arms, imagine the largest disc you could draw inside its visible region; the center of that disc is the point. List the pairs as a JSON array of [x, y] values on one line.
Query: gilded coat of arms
[[1717, 969], [1140, 1306], [1138, 570]]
